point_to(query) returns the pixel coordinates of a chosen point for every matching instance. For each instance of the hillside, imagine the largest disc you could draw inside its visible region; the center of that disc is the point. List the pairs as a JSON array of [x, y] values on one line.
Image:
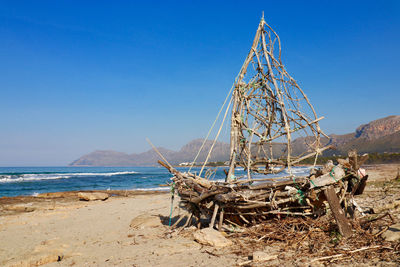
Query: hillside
[[185, 154], [382, 135]]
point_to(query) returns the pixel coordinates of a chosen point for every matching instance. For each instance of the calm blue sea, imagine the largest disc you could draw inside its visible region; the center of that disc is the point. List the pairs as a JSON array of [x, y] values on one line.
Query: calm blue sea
[[15, 181]]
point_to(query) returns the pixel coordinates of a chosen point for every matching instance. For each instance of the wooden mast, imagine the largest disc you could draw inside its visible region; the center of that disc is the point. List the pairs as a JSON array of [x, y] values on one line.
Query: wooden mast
[[235, 113]]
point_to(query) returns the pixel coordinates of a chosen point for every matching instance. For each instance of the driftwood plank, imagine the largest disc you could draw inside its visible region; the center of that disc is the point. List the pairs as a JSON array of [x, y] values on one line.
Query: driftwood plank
[[336, 174], [337, 211], [297, 180], [359, 188]]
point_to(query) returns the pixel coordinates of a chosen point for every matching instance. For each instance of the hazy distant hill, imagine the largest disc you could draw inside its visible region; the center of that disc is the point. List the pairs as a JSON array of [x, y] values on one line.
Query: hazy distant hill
[[186, 154], [381, 135]]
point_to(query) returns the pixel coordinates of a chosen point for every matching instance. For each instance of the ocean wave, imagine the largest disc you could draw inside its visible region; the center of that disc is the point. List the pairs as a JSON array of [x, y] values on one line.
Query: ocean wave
[[299, 170], [100, 173], [14, 178]]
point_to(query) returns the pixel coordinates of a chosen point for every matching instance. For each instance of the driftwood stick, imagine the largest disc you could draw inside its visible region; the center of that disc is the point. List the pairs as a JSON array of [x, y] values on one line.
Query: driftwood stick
[[158, 152], [294, 130], [214, 215], [343, 254], [251, 195], [206, 195], [378, 218], [188, 221], [353, 159], [244, 219], [271, 212], [198, 217], [265, 204], [168, 167], [337, 211], [261, 180], [382, 231], [221, 219], [178, 221], [235, 224], [312, 154]]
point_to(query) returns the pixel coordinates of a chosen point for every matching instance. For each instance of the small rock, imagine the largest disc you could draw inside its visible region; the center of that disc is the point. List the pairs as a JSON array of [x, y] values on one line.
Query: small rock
[[38, 260], [393, 233], [92, 196], [144, 220], [190, 228], [263, 256], [20, 208], [211, 237]]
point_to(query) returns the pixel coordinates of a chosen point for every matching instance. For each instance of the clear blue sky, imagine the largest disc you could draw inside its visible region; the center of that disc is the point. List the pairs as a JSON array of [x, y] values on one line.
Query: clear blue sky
[[77, 76]]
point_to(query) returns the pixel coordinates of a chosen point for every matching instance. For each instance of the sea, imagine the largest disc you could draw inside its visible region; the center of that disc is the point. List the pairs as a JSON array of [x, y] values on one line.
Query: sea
[[23, 181]]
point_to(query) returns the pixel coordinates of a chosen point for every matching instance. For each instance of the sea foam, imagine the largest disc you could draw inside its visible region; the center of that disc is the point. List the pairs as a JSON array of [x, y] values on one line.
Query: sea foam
[[10, 178]]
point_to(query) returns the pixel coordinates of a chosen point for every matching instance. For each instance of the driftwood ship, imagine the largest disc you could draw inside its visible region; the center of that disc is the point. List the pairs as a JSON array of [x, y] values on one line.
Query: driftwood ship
[[267, 106]]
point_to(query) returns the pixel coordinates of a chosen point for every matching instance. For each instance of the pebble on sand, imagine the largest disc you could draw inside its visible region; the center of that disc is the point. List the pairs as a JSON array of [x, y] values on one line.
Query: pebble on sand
[[92, 196], [211, 237]]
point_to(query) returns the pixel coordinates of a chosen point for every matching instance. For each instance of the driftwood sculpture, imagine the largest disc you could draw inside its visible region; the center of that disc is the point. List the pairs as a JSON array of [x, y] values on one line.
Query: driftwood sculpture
[[268, 108]]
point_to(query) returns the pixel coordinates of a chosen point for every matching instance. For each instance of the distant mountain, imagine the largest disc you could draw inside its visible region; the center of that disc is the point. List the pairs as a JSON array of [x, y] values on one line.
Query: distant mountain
[[186, 154], [103, 158], [379, 128], [382, 135]]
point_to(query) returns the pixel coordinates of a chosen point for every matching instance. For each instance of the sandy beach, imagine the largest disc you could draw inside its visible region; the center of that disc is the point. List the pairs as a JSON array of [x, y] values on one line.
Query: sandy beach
[[69, 232], [131, 229]]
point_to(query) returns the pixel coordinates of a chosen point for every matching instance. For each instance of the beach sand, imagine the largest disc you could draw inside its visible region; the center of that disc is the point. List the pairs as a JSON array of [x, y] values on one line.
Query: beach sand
[[68, 232], [59, 230]]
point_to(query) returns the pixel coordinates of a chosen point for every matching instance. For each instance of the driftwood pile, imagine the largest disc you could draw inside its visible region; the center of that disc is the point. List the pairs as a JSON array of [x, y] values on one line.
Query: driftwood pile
[[248, 202], [308, 241]]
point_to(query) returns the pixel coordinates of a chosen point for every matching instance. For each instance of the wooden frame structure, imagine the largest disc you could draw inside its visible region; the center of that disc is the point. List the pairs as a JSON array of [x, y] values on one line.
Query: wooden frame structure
[[270, 108]]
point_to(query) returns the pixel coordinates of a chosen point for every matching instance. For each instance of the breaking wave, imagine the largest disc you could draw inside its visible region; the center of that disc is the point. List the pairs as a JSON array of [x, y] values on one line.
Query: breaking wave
[[24, 177]]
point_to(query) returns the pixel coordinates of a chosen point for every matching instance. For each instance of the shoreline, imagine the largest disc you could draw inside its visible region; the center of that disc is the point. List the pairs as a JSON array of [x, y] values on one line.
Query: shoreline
[[24, 203]]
